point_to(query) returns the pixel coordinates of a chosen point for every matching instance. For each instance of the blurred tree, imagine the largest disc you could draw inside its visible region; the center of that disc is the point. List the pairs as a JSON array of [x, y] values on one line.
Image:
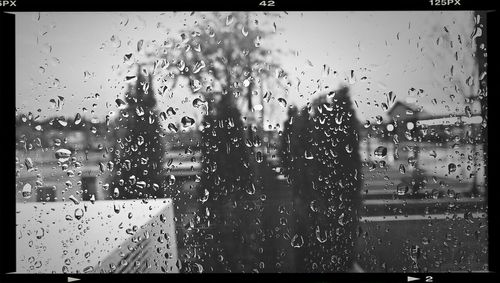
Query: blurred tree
[[225, 183], [136, 160], [221, 54], [322, 162], [222, 58], [296, 155], [337, 182]]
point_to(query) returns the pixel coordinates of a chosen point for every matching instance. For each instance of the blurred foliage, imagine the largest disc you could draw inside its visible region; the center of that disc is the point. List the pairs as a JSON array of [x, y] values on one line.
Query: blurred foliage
[[137, 155], [223, 60], [221, 55], [320, 152]]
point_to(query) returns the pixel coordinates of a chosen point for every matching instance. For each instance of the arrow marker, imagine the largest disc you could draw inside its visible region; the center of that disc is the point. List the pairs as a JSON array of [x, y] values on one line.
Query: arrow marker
[[412, 278], [71, 279]]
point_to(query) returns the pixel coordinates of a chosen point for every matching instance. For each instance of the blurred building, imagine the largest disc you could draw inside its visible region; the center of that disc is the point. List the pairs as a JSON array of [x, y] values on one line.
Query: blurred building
[[403, 117]]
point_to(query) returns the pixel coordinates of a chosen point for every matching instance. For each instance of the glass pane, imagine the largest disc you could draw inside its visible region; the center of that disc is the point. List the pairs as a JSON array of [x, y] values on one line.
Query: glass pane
[[251, 142]]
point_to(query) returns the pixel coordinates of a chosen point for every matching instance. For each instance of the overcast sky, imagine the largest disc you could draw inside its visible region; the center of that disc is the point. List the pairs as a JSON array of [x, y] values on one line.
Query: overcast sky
[[76, 55]]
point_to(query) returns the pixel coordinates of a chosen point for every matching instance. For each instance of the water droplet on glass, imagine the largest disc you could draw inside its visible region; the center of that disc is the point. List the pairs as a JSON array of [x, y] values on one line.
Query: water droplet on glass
[[26, 192], [40, 233], [211, 32], [380, 152], [477, 32], [244, 31], [297, 241], [251, 190], [116, 208], [195, 85], [452, 168], [308, 154], [110, 165], [170, 111], [282, 102], [412, 161], [163, 116], [54, 61], [435, 193], [171, 180], [205, 197], [139, 45], [63, 155], [415, 252], [140, 140], [62, 121], [249, 143], [229, 19], [79, 213], [116, 192], [321, 237], [199, 268], [401, 189], [469, 81], [425, 241], [259, 157], [28, 163], [257, 41], [115, 41], [132, 179], [349, 148], [197, 47], [141, 184], [181, 65], [351, 79], [468, 111], [78, 119], [197, 102], [283, 221], [258, 107], [198, 66], [367, 124], [469, 216], [402, 169], [55, 82], [87, 74], [187, 121], [73, 199], [384, 106], [140, 111], [120, 103], [172, 127], [313, 206]]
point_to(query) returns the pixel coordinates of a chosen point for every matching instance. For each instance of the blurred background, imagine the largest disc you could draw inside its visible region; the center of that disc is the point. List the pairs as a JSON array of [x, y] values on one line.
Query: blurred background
[[288, 142]]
